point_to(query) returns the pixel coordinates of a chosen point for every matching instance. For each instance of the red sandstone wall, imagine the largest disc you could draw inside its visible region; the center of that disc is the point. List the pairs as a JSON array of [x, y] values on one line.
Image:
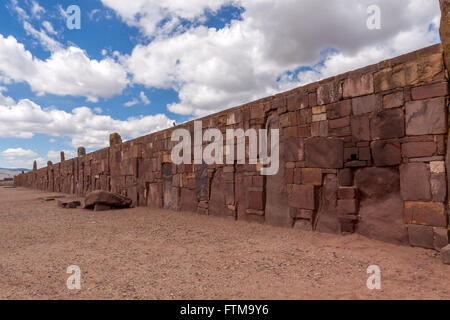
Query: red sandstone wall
[[360, 152]]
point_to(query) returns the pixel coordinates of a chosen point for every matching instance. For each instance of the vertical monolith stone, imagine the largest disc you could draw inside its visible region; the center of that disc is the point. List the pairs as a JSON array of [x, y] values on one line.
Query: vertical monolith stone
[[81, 151], [115, 139], [34, 165], [445, 30], [63, 158]]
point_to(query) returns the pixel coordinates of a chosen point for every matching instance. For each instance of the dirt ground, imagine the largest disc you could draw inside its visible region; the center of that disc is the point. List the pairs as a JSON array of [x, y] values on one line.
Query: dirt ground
[[156, 254]]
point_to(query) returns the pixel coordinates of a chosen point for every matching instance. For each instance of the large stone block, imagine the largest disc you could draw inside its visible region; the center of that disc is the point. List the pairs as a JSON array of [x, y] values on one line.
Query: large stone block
[[327, 218], [425, 213], [358, 85], [324, 153], [439, 89], [360, 128], [438, 187], [421, 236], [426, 117], [294, 149], [383, 219], [418, 149], [415, 182], [366, 104], [386, 153], [339, 109], [302, 197], [377, 183], [387, 124]]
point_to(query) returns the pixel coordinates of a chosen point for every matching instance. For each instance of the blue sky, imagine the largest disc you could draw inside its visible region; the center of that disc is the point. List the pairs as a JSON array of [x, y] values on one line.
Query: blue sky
[[136, 67]]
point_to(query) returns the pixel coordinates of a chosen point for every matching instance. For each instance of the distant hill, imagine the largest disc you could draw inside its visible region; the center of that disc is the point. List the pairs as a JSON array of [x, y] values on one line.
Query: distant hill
[[10, 173]]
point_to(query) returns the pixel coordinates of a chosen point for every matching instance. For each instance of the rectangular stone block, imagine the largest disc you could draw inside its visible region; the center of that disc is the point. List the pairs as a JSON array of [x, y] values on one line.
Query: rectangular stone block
[[437, 167], [365, 104], [387, 124], [297, 101], [438, 187], [312, 176], [425, 213], [421, 236], [347, 207], [302, 197], [339, 123], [347, 193], [415, 182], [433, 90], [339, 109], [256, 200], [386, 152], [360, 128], [418, 149], [358, 85], [345, 177], [393, 100], [324, 153], [426, 117]]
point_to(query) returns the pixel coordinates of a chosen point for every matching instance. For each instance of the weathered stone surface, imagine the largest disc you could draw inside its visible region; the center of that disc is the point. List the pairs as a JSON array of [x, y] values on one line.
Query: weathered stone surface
[[358, 85], [276, 203], [217, 201], [360, 128], [387, 124], [445, 254], [324, 153], [115, 139], [347, 207], [383, 219], [386, 153], [302, 197], [312, 176], [393, 100], [438, 187], [329, 92], [426, 117], [345, 177], [339, 109], [365, 104], [440, 238], [425, 213], [294, 149], [418, 149], [437, 167], [201, 182], [347, 193], [415, 182], [433, 90], [106, 198], [327, 218], [101, 207], [421, 236], [377, 183], [188, 200], [68, 204]]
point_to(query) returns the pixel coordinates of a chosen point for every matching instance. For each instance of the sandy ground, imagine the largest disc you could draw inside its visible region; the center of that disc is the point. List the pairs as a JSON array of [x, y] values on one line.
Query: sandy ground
[[156, 254]]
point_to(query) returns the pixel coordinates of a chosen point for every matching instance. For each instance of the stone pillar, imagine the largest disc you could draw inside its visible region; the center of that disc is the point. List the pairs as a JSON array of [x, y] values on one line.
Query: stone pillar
[[34, 165], [81, 151], [114, 139], [63, 158], [445, 30]]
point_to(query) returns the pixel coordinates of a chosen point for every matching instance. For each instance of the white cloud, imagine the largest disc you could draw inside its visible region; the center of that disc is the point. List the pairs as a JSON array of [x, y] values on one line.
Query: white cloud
[[214, 69], [83, 127], [21, 158], [131, 103], [144, 98], [36, 9], [55, 156], [148, 15], [49, 27], [66, 72]]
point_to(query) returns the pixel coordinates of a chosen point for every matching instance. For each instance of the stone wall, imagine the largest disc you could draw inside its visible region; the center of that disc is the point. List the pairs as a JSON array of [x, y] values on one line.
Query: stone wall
[[360, 152]]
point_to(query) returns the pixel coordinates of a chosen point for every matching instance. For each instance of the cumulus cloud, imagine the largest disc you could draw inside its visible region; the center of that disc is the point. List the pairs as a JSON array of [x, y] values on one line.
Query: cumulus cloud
[[67, 71], [212, 69], [21, 158], [156, 17], [82, 126]]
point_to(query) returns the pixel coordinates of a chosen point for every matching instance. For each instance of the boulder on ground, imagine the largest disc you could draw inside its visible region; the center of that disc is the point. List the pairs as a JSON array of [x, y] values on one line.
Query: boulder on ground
[[69, 204], [104, 200]]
